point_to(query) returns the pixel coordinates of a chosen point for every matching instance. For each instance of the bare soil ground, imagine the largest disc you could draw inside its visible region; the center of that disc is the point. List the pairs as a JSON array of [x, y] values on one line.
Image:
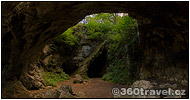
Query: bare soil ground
[[93, 88]]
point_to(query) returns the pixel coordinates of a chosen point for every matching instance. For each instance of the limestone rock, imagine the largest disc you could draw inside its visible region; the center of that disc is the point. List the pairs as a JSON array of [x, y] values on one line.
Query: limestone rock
[[65, 95], [15, 87], [36, 95], [184, 82], [142, 84], [34, 80], [78, 79], [51, 94], [86, 50], [64, 91], [65, 88]]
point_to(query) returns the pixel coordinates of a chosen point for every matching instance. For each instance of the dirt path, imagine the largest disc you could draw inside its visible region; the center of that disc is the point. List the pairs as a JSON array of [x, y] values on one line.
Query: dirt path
[[93, 88]]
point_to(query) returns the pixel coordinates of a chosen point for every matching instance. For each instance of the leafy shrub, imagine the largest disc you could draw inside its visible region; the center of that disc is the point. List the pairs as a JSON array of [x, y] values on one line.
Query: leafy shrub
[[118, 72], [96, 36], [120, 52], [52, 78]]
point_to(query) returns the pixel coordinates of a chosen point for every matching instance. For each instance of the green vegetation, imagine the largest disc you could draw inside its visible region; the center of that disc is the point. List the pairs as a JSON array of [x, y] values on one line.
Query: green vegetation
[[120, 32], [54, 74], [65, 45], [67, 37], [122, 35], [52, 78], [99, 26]]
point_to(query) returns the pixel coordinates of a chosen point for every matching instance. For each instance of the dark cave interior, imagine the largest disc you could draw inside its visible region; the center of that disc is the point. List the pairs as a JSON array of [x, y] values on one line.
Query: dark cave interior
[[98, 66]]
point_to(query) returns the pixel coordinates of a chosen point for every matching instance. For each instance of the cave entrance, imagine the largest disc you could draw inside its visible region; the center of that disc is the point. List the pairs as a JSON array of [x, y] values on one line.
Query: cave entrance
[[98, 66]]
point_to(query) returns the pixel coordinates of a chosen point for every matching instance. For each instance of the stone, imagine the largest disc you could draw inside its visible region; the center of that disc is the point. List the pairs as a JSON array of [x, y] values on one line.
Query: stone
[[65, 88], [171, 79], [66, 95], [15, 87], [46, 49], [166, 85], [174, 86], [46, 59], [32, 81], [65, 91], [142, 84], [78, 79], [86, 50], [51, 94], [184, 82], [38, 84], [39, 95], [162, 86]]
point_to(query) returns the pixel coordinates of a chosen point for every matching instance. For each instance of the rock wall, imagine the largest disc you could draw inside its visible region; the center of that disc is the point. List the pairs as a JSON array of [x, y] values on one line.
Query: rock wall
[[163, 28]]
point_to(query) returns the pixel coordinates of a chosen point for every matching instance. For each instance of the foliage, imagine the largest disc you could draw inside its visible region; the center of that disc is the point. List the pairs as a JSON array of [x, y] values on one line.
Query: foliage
[[118, 72], [122, 35], [96, 36], [99, 26], [65, 44], [52, 78], [67, 37], [121, 31], [120, 52]]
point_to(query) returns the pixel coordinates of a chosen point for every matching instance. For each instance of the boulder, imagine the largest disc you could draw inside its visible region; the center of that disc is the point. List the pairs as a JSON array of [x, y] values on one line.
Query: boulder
[[78, 79], [142, 84], [65, 91], [51, 94], [86, 50]]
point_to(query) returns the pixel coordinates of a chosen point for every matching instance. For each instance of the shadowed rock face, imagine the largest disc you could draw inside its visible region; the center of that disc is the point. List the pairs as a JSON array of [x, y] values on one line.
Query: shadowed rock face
[[163, 28]]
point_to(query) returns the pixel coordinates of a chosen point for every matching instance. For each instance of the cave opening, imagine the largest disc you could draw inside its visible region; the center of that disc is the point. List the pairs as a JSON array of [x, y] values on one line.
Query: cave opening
[[70, 68], [158, 21], [90, 33], [98, 66]]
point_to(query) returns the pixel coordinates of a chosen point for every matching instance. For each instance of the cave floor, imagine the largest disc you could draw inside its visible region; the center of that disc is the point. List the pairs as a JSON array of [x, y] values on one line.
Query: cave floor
[[93, 88]]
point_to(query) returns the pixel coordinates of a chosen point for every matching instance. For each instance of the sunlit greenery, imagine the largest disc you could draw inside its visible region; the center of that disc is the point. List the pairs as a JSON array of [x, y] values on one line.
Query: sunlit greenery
[[123, 41], [68, 38], [121, 33]]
